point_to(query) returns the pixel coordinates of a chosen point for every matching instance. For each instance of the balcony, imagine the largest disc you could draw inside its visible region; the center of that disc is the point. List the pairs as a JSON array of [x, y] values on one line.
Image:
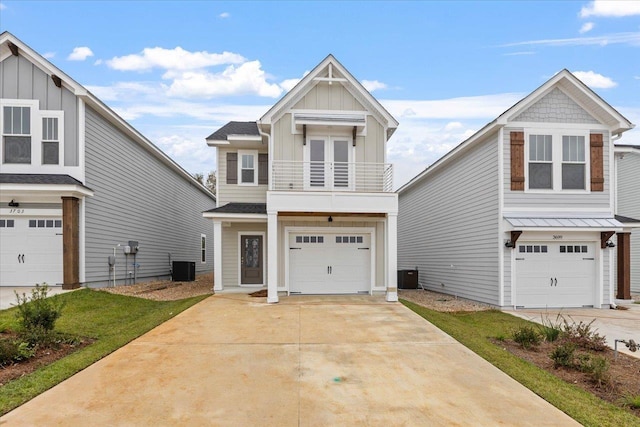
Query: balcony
[[332, 176]]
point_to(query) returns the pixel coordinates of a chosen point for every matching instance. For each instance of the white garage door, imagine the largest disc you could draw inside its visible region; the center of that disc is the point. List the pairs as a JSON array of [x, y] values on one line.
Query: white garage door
[[329, 263], [550, 274], [30, 251]]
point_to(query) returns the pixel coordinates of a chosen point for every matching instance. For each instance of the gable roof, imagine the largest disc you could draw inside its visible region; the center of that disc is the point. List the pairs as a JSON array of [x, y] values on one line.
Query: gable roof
[[8, 42], [337, 74], [570, 85], [234, 128]]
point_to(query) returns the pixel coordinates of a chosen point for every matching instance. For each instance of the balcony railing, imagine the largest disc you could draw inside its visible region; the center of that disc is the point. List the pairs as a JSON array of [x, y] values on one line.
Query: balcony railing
[[332, 176]]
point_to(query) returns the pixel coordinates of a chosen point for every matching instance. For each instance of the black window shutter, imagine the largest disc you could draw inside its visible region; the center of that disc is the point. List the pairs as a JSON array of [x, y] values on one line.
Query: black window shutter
[[263, 169], [232, 168]]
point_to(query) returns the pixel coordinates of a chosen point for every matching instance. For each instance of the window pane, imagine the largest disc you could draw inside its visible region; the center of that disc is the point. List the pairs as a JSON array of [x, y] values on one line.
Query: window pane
[[584, 250], [50, 129], [50, 153], [298, 239], [41, 223], [58, 223], [32, 223], [540, 176], [338, 239], [2, 223], [17, 149], [572, 176], [581, 149], [26, 120], [247, 175], [306, 239], [532, 148], [320, 239], [547, 149], [566, 149], [7, 120]]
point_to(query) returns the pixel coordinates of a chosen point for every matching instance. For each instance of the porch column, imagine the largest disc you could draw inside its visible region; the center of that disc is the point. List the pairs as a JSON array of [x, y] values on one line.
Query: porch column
[[624, 266], [392, 257], [272, 257], [70, 243], [217, 255]]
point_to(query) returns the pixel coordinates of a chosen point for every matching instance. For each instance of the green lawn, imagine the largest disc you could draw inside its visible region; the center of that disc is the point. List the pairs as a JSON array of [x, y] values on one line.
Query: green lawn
[[474, 330], [113, 320]]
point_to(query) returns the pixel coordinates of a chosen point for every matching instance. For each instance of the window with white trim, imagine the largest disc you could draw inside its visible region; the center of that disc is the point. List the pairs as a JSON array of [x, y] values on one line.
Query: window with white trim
[[247, 167], [50, 141], [203, 248], [557, 160], [16, 134]]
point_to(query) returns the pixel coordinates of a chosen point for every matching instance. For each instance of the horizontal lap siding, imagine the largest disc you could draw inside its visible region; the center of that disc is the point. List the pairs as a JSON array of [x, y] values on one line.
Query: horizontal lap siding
[[592, 200], [448, 226], [230, 262], [137, 197], [629, 205], [234, 192]]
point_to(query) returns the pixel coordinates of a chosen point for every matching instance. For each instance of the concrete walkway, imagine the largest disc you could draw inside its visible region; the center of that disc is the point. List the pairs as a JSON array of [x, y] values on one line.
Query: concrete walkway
[[613, 324], [308, 361]]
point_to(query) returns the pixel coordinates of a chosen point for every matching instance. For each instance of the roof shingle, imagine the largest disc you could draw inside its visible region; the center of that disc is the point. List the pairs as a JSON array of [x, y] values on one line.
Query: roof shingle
[[234, 128]]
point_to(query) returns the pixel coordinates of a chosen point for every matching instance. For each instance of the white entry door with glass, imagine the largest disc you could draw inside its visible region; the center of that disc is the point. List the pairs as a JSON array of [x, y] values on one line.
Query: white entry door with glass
[[328, 163]]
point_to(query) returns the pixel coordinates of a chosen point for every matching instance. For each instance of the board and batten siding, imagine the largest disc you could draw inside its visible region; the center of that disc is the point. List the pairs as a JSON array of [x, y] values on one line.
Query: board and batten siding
[[235, 192], [628, 205], [329, 97], [370, 148], [597, 200], [137, 197], [448, 226], [20, 79]]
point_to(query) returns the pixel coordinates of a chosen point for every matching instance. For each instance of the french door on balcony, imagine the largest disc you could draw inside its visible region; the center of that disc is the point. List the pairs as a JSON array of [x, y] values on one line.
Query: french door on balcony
[[328, 163]]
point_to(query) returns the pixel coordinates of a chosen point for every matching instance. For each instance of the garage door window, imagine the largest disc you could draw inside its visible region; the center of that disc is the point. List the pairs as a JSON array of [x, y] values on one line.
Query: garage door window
[[309, 239], [45, 223], [8, 223], [533, 249], [570, 249], [349, 239]]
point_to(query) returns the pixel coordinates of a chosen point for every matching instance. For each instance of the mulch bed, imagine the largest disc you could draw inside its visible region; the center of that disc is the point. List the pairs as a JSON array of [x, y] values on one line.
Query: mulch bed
[[624, 371], [260, 293], [44, 356]]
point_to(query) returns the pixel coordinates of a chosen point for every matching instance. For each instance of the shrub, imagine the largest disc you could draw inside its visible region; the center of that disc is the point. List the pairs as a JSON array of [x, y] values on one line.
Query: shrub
[[631, 401], [13, 351], [549, 329], [564, 355], [583, 335], [526, 336], [37, 314], [597, 367]]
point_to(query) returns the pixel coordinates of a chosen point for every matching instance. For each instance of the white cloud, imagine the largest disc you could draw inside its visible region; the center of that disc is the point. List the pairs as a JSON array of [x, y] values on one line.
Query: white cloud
[[289, 84], [372, 85], [586, 27], [595, 80], [172, 59], [98, 62], [48, 55], [528, 52], [224, 15], [630, 38], [611, 8], [3, 6], [248, 78], [80, 53], [452, 125]]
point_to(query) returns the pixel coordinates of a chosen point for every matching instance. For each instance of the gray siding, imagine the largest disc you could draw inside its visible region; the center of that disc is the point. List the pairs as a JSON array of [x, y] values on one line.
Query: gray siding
[[329, 97], [448, 226], [589, 200], [629, 205], [137, 197], [20, 79], [555, 107], [230, 245], [234, 192]]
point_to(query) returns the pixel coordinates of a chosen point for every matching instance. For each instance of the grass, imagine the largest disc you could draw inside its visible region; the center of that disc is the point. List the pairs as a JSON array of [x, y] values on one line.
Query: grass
[[475, 329], [113, 320]]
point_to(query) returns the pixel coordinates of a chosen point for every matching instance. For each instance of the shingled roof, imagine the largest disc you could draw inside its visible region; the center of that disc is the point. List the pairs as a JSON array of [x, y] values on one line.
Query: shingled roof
[[241, 208], [29, 178], [234, 128]]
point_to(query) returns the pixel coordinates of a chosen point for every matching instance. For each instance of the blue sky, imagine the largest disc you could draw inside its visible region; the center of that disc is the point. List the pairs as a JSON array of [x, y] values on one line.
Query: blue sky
[[177, 71]]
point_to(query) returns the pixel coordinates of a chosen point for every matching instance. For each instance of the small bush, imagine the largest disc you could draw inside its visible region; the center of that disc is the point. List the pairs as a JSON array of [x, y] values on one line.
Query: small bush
[[526, 336], [551, 330], [501, 337], [597, 367], [14, 351], [564, 355], [583, 335], [631, 401], [37, 314]]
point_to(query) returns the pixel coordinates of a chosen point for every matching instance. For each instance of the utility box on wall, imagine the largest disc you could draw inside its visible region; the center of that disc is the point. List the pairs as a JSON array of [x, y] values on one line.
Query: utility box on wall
[[407, 279], [183, 271]]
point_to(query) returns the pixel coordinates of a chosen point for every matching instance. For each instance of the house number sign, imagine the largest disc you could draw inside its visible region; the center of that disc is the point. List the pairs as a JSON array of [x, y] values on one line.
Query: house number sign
[[557, 237], [16, 211]]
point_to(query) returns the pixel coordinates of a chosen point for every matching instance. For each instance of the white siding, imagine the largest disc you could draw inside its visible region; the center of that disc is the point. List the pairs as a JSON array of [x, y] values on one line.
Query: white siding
[[629, 206], [234, 192], [329, 97], [137, 197], [589, 200], [230, 262], [448, 226]]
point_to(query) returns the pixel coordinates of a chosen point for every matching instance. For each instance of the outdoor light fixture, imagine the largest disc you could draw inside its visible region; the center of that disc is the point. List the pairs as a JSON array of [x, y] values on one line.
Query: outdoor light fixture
[[509, 244], [610, 244], [14, 204], [330, 219]]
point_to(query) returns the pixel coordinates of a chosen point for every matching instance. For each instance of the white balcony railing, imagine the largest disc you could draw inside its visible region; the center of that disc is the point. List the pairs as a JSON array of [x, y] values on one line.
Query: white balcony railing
[[332, 176]]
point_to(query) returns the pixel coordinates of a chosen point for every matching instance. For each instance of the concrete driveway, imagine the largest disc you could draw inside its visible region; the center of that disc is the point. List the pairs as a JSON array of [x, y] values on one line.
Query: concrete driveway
[[613, 324], [308, 361], [8, 296]]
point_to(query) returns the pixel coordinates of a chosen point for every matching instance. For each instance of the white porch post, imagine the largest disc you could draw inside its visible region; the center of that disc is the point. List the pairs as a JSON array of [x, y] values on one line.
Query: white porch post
[[272, 257], [217, 255], [392, 257]]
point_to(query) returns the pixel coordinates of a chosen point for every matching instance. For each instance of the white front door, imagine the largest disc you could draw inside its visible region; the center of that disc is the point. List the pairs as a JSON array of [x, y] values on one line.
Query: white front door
[[328, 162], [30, 251], [552, 274], [329, 263]]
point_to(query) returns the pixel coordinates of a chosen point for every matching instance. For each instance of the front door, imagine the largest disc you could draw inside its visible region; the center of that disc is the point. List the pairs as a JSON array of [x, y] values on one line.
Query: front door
[[251, 260]]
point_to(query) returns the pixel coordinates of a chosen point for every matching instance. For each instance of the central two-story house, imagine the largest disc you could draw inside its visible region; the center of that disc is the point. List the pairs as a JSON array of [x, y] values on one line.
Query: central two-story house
[[522, 213], [305, 202]]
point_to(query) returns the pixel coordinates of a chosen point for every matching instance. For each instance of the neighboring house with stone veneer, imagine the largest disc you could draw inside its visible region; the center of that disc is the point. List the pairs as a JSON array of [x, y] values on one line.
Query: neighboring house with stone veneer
[[628, 212], [77, 183], [305, 200], [521, 214]]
